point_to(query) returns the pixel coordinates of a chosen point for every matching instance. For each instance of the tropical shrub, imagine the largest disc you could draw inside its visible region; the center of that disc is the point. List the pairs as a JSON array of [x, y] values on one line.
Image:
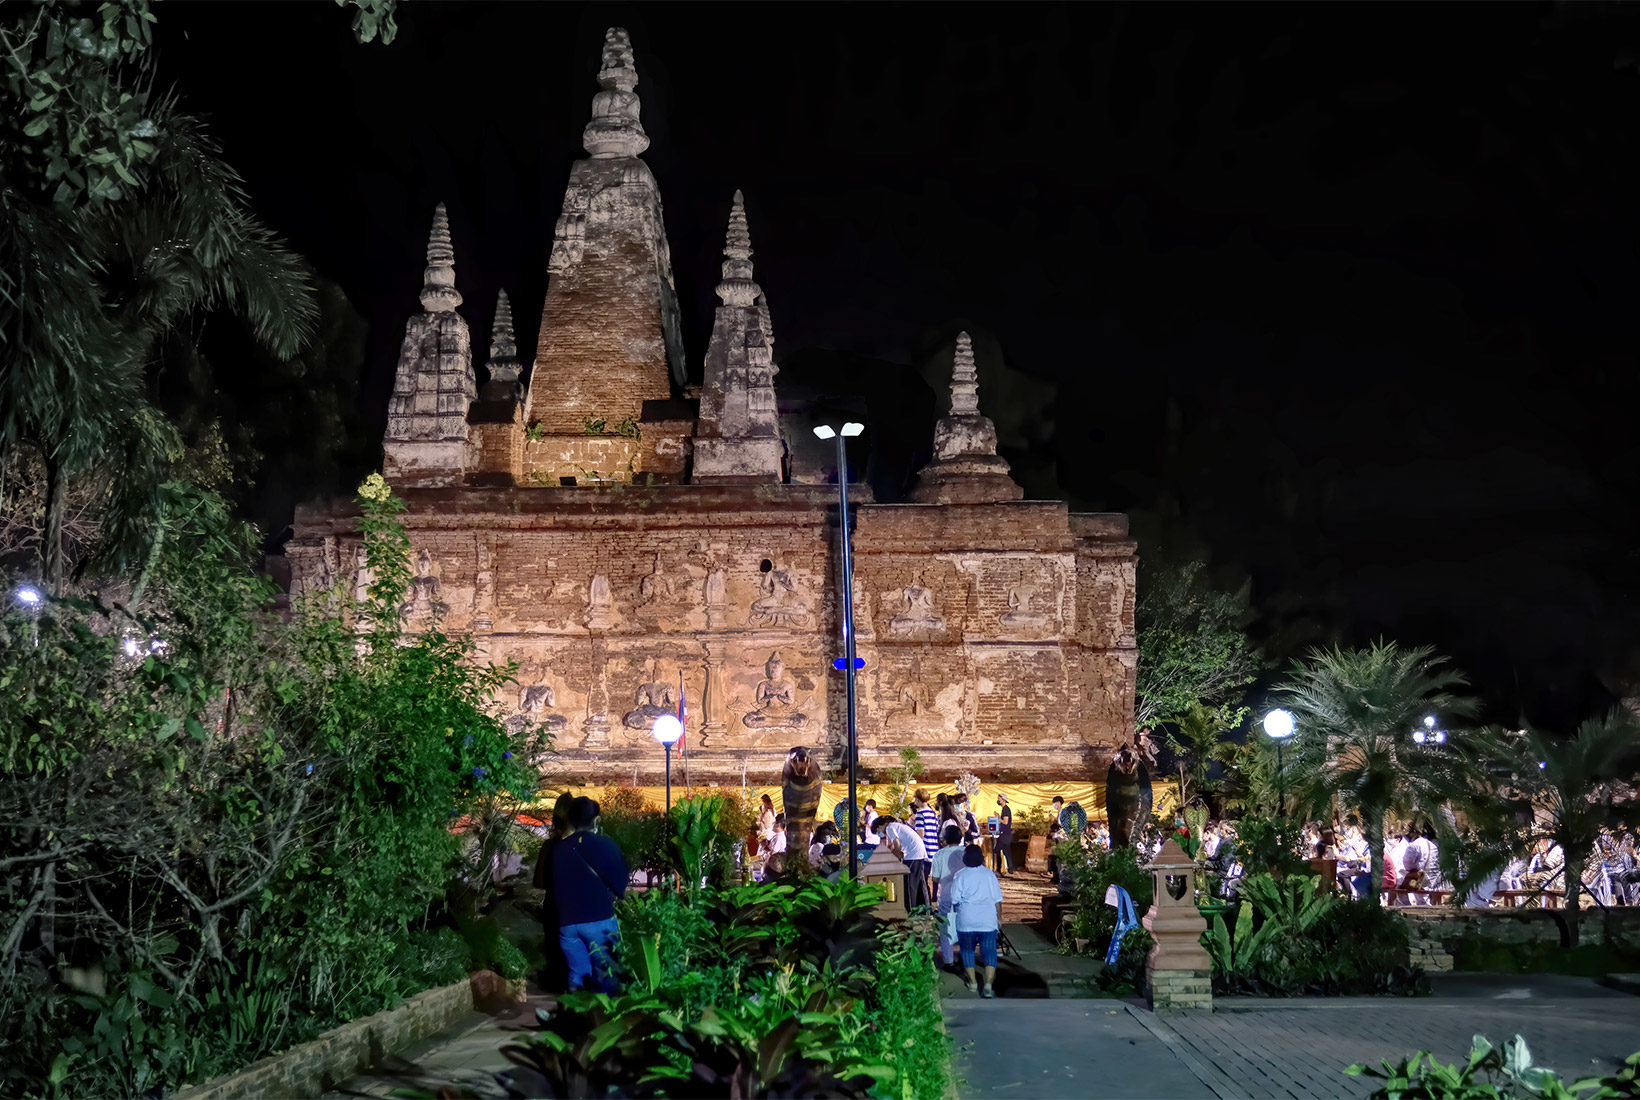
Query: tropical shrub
[[1090, 871], [223, 834], [1493, 1073]]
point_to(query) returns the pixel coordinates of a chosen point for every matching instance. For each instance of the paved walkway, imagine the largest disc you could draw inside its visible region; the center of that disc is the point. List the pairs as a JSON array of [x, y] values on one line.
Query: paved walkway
[[1252, 1048]]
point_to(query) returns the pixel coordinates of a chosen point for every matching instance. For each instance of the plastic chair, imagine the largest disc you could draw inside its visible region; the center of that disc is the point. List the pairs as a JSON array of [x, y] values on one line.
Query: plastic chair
[[1126, 920]]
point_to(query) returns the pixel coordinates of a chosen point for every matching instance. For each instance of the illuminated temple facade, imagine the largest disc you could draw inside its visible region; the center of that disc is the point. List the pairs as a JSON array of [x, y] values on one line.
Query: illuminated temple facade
[[616, 530]]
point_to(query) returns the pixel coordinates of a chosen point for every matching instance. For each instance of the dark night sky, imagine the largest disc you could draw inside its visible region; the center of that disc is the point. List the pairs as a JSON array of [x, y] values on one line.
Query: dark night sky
[[1343, 293]]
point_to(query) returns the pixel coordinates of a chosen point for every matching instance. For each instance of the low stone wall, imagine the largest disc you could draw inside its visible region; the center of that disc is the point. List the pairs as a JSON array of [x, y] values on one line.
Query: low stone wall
[[1436, 932], [320, 1065]]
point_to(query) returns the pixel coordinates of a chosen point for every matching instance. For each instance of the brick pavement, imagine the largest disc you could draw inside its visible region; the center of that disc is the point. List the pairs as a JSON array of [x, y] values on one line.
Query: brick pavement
[[1258, 1049]]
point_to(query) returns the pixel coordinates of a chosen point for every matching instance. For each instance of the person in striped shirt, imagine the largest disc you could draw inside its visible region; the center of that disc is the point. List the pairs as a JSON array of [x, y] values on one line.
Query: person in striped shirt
[[926, 821]]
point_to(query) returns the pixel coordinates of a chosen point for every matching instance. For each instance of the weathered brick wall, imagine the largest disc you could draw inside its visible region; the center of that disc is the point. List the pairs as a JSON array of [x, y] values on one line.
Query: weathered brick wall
[[604, 596], [1436, 932]]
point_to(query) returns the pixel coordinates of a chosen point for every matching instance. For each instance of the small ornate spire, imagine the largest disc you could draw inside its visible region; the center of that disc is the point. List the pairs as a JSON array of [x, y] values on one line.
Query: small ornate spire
[[438, 291], [615, 130], [737, 287], [503, 362], [964, 379]]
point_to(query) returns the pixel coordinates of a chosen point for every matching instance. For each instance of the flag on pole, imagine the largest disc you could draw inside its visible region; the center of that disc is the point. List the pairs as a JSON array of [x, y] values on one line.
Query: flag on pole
[[682, 710]]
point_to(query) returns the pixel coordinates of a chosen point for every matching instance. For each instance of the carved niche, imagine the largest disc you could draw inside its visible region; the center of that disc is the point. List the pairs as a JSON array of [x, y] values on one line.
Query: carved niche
[[918, 616]]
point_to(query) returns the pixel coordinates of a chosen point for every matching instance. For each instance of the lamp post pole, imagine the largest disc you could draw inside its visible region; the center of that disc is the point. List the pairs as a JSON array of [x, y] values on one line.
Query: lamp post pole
[[1278, 726], [667, 730], [841, 435]]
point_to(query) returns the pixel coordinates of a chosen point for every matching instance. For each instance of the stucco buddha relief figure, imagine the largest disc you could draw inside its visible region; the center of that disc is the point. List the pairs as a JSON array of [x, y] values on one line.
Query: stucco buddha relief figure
[[775, 700], [781, 604], [919, 615], [654, 700], [535, 703], [424, 602], [1021, 615]]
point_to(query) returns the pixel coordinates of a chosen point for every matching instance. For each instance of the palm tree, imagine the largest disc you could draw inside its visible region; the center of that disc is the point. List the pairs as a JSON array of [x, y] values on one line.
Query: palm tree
[[1355, 711], [88, 294], [1573, 785]]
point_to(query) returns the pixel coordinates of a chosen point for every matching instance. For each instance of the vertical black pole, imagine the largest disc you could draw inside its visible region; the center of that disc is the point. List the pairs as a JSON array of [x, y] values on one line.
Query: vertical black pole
[[669, 778], [848, 658], [1281, 783]]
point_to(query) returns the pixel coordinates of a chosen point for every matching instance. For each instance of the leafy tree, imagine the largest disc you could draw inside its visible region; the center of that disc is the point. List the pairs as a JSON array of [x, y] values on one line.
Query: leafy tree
[[1193, 645], [118, 221], [1355, 710], [1197, 741]]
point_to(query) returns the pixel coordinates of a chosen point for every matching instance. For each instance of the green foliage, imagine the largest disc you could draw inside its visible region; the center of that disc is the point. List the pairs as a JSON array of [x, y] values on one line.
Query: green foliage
[[1197, 738], [1292, 936], [1127, 977], [373, 20], [222, 834], [898, 803], [1493, 1073], [760, 990], [627, 429], [1090, 872], [1271, 845], [593, 426], [640, 835], [1193, 646], [694, 839], [535, 432]]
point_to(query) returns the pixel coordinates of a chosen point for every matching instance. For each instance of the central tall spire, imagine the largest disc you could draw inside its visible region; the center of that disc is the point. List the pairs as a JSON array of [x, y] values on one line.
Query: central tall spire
[[609, 343], [737, 437], [615, 129]]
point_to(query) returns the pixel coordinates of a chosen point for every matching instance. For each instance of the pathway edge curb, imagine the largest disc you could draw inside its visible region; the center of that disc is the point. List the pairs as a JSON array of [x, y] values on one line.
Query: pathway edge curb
[[1216, 1080]]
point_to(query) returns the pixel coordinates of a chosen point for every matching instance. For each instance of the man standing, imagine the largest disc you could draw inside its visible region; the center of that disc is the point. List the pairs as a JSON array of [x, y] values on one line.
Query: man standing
[[1056, 833], [926, 821], [914, 855], [868, 823], [976, 903], [589, 876], [1002, 846]]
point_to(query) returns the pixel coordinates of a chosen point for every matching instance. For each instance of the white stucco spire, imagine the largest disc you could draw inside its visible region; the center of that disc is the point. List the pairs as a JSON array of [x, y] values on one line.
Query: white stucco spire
[[964, 379], [615, 130], [503, 364], [438, 291]]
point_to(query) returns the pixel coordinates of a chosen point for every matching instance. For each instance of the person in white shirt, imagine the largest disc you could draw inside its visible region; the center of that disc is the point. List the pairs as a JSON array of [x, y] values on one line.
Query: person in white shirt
[[777, 841], [868, 822], [914, 853], [976, 901], [947, 862]]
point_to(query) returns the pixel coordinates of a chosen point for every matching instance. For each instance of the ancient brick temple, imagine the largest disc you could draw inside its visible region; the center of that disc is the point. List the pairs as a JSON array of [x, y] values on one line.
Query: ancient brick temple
[[617, 532]]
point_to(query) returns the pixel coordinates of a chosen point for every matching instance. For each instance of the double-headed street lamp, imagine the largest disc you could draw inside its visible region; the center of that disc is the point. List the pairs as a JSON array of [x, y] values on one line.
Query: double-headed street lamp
[[667, 730], [1278, 726], [826, 431]]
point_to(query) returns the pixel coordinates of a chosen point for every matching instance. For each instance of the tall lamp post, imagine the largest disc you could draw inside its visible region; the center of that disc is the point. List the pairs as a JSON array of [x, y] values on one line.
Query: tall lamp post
[[1278, 726], [667, 731], [826, 431]]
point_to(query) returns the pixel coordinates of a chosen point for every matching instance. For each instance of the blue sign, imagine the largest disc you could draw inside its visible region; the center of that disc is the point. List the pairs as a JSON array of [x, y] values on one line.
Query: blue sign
[[841, 663]]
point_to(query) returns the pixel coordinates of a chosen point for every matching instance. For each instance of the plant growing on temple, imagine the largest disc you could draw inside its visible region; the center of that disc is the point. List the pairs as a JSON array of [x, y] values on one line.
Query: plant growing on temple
[[1355, 711], [1193, 646]]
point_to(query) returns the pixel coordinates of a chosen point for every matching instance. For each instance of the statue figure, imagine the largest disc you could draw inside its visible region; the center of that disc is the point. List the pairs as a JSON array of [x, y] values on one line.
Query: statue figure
[[424, 591], [654, 700], [533, 701], [363, 575], [776, 700], [780, 604], [800, 799], [918, 614], [1127, 790], [600, 609], [655, 583], [1019, 613]]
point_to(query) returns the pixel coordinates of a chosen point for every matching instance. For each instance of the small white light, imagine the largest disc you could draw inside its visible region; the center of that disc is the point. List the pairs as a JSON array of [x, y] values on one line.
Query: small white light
[[1542, 764], [824, 431], [1440, 737], [1418, 736], [1429, 722], [668, 729], [30, 595], [1278, 724], [131, 647], [158, 645], [851, 428]]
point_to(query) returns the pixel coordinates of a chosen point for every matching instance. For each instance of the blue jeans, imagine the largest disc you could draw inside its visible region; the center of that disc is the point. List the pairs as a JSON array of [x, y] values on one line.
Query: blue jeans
[[985, 942], [588, 949]]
